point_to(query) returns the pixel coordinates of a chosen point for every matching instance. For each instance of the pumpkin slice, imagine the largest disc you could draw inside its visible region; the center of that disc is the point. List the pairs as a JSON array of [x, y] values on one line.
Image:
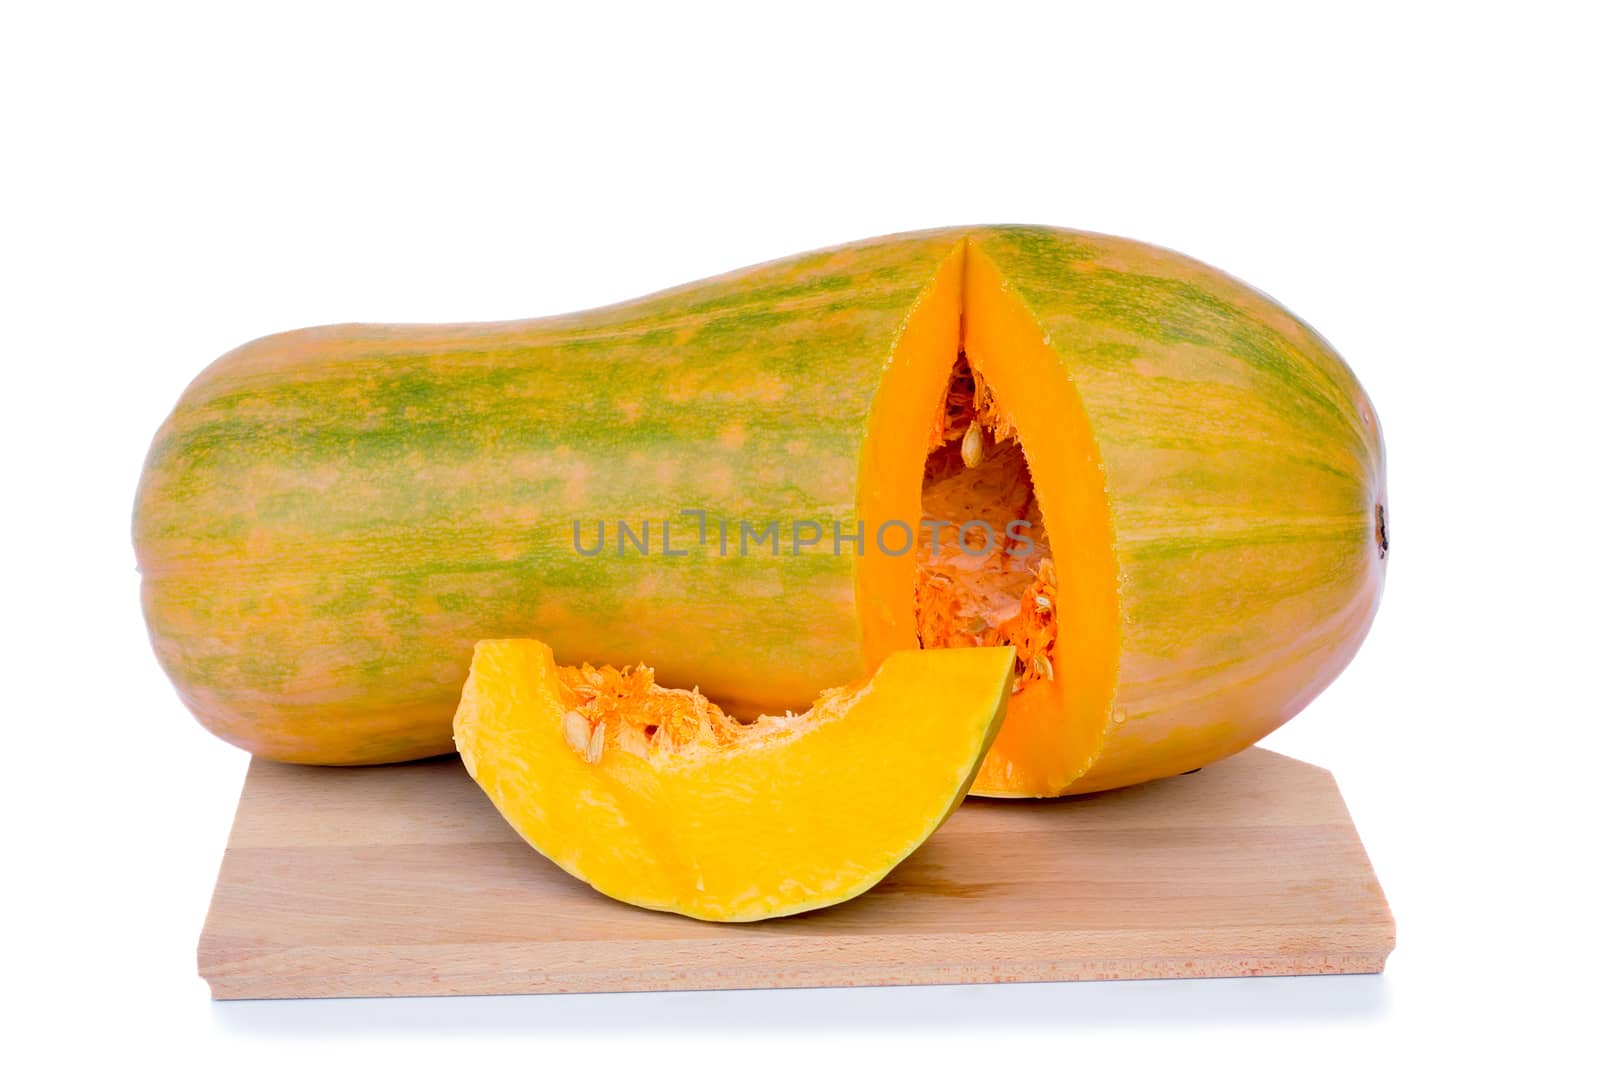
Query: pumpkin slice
[[657, 797]]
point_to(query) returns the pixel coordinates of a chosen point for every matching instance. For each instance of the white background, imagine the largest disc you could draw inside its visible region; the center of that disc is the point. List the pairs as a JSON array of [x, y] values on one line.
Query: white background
[[1419, 183]]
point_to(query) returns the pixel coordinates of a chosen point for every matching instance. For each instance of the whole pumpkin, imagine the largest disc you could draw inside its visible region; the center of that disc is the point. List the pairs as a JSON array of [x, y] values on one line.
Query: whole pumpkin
[[1160, 486]]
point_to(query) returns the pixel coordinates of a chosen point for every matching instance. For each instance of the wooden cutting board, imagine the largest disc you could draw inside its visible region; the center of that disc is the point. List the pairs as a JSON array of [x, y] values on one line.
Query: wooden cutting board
[[403, 880]]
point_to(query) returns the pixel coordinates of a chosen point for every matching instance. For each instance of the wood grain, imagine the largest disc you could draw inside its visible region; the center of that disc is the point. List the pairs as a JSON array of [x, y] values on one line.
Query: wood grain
[[403, 880]]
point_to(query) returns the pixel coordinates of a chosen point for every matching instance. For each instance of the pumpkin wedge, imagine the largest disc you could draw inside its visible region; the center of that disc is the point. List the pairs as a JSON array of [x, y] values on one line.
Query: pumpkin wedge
[[1158, 486], [656, 797]]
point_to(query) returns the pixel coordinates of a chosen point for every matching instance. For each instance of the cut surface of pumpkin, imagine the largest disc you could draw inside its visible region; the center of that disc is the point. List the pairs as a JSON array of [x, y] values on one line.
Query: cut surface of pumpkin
[[992, 451], [657, 797]]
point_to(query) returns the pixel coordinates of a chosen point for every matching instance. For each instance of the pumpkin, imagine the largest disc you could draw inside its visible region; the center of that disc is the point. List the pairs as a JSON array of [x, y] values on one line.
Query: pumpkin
[[657, 797], [1159, 487]]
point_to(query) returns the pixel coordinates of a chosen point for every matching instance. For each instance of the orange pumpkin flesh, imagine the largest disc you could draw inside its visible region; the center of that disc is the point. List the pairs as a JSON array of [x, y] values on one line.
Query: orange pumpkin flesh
[[972, 355]]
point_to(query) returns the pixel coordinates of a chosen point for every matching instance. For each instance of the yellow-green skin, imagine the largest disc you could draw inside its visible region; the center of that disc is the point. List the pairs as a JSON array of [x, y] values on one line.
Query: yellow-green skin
[[330, 518]]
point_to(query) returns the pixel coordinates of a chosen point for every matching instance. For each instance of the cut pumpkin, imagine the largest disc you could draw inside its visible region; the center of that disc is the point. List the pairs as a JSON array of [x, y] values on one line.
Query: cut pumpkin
[[656, 797], [330, 518]]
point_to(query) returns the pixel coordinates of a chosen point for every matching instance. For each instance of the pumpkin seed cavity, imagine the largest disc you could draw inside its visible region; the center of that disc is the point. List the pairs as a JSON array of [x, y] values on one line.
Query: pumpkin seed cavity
[[977, 473], [608, 708]]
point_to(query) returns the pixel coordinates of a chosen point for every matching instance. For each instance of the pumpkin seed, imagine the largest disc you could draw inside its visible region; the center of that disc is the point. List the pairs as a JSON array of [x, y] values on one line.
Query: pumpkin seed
[[972, 445], [575, 729]]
